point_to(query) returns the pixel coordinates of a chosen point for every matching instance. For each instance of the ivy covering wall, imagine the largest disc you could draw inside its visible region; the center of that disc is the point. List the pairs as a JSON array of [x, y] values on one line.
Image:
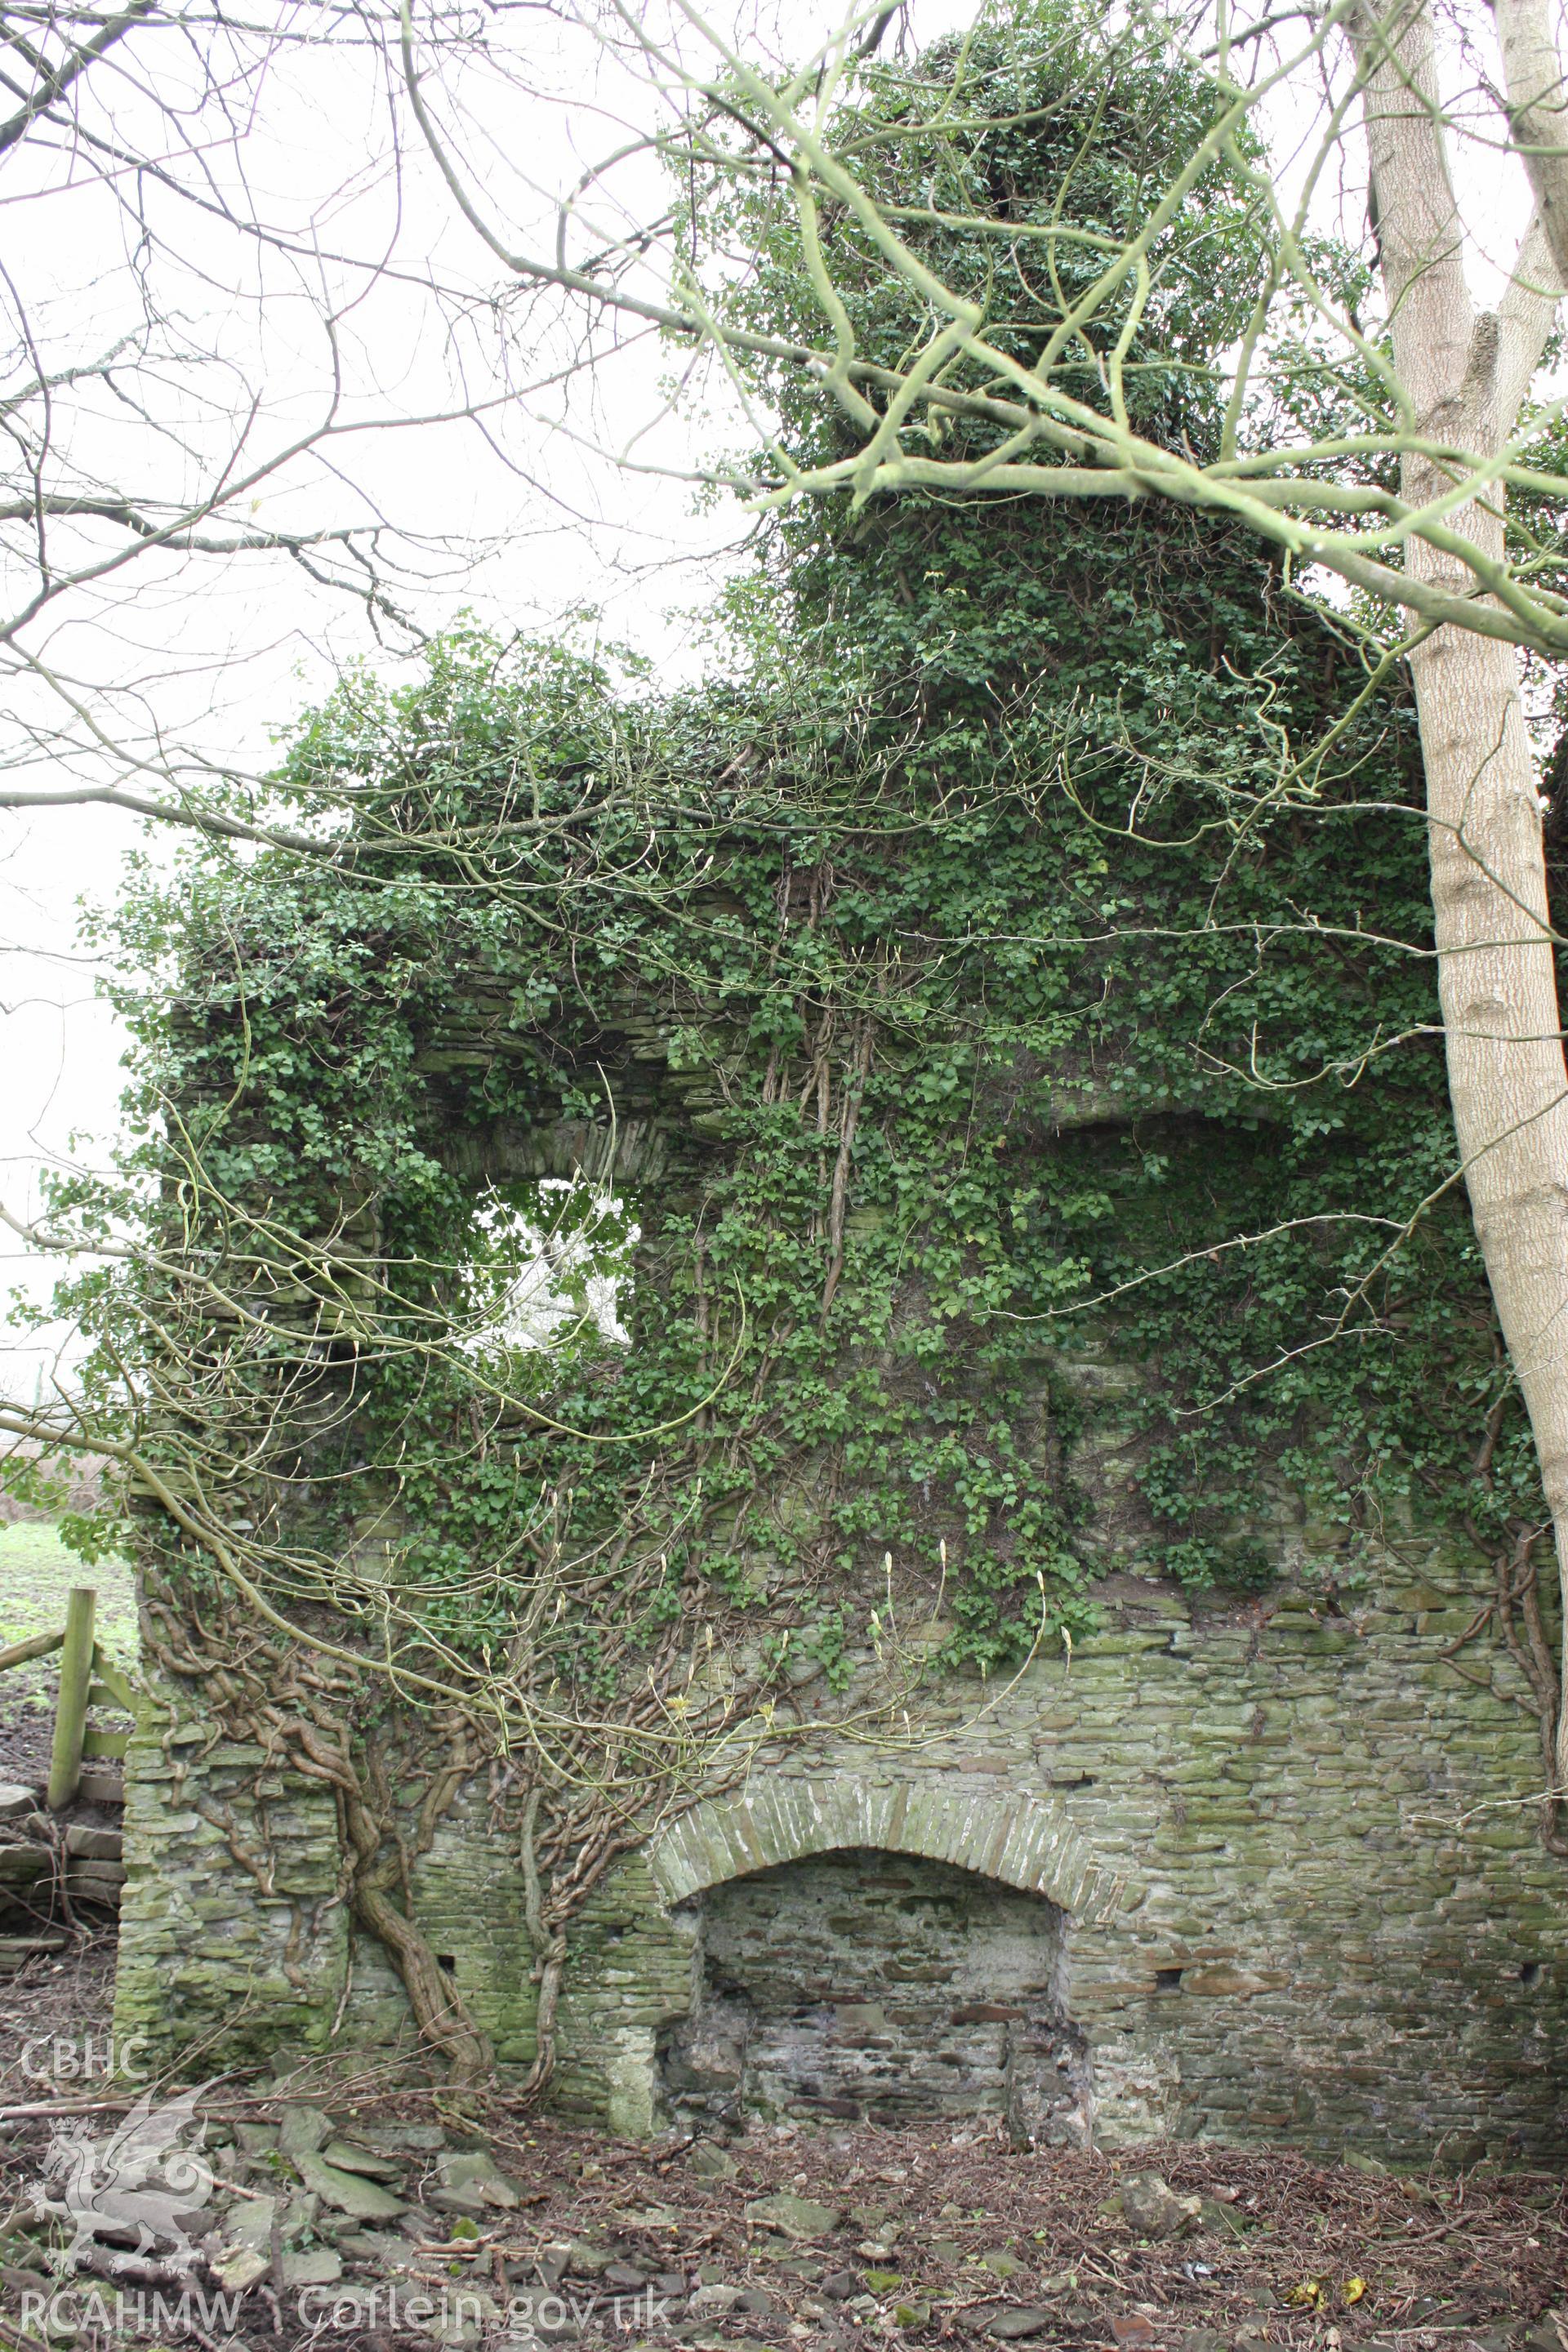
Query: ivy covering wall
[[995, 995]]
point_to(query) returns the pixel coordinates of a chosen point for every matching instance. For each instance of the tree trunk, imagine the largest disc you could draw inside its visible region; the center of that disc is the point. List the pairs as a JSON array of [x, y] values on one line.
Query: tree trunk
[[1497, 976], [1497, 981]]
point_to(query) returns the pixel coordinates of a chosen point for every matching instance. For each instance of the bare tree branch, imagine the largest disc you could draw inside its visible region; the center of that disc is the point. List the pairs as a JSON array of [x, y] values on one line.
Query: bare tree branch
[[55, 81]]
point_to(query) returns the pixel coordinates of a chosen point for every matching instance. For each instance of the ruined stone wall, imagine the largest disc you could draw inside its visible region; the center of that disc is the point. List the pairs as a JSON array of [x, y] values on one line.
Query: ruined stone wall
[[1293, 1855], [1283, 1857]]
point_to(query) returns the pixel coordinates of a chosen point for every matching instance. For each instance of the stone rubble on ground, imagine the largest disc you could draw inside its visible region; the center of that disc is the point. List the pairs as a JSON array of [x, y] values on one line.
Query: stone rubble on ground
[[1151, 2207], [314, 2200]]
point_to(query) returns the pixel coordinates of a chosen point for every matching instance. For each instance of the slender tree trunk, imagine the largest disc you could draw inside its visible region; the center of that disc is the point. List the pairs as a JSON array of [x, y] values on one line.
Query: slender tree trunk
[[1497, 976], [1497, 980]]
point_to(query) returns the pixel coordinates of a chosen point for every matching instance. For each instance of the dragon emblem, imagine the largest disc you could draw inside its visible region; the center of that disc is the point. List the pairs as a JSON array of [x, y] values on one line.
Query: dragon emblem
[[147, 2178]]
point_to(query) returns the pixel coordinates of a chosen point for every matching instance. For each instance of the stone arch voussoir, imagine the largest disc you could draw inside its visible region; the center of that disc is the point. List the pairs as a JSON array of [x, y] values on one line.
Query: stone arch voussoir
[[1026, 1841]]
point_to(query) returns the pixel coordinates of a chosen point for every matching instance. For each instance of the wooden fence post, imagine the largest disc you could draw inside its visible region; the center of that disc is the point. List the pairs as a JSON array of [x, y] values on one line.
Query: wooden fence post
[[36, 1646], [70, 1715]]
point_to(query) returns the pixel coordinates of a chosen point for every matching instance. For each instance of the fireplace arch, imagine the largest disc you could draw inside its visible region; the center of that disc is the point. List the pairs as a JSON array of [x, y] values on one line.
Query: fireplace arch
[[1026, 1841], [880, 1952]]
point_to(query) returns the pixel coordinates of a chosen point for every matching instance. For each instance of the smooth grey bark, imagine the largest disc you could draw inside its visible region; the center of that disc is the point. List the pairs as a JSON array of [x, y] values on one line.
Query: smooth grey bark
[[1467, 373]]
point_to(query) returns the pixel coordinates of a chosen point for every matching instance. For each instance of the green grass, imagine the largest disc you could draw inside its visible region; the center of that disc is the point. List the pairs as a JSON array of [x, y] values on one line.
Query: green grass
[[37, 1572]]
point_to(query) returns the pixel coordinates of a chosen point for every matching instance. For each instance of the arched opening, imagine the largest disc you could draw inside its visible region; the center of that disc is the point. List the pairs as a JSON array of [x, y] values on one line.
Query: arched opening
[[883, 1986]]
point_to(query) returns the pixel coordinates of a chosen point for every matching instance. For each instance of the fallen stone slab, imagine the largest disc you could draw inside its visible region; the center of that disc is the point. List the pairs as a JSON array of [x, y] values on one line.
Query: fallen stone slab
[[389, 2139], [474, 2170], [465, 2202], [714, 2301], [348, 2157], [302, 2131], [795, 2217], [1152, 2207], [239, 2267], [422, 2228], [581, 2258], [382, 2248], [247, 2224], [314, 2266], [1009, 2323], [348, 2192]]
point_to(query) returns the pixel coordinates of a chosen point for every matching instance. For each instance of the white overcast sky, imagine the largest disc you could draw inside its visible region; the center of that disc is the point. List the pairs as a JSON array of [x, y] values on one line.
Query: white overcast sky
[[224, 656], [534, 523]]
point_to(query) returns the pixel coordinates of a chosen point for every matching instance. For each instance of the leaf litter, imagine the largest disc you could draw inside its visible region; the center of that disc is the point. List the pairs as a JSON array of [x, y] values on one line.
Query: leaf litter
[[834, 2235]]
